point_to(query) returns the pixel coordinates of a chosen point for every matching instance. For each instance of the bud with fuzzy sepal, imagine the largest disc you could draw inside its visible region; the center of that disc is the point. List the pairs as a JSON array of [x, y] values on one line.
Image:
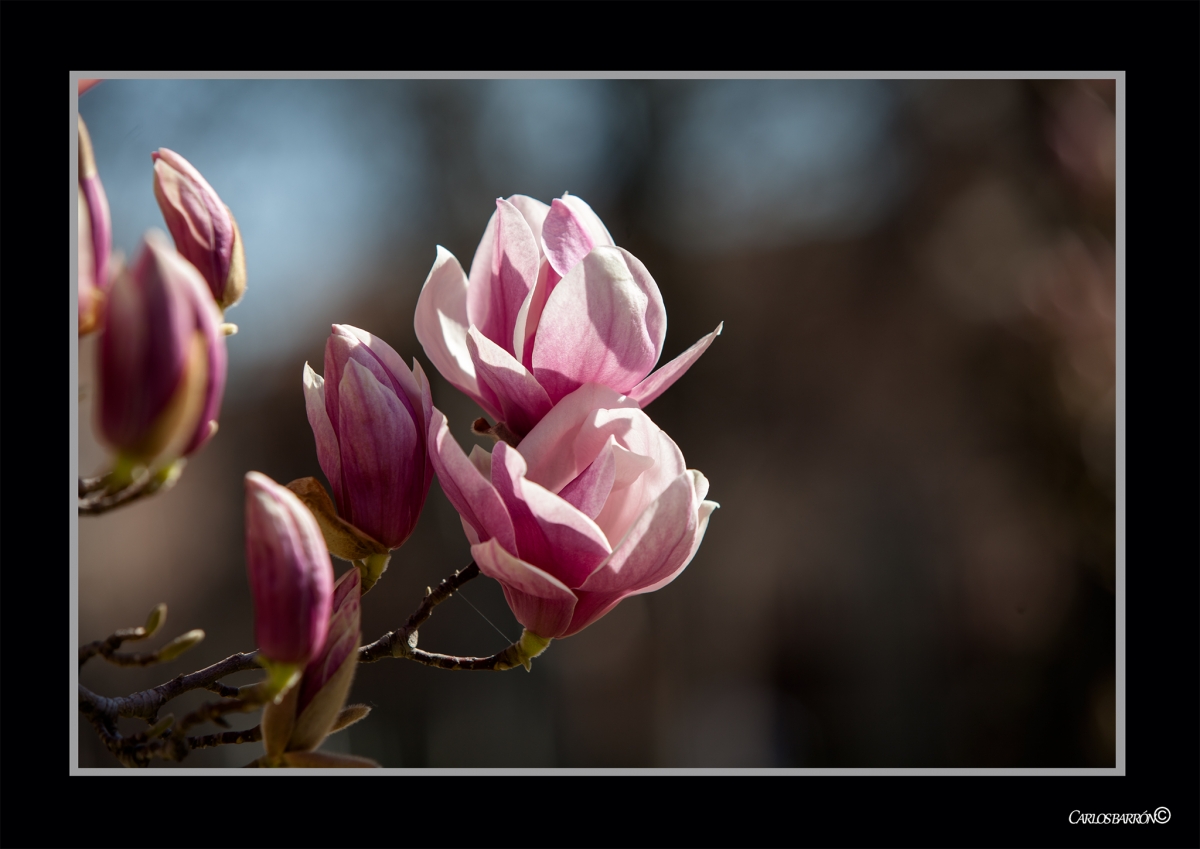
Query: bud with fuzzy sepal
[[294, 727], [204, 229], [370, 414]]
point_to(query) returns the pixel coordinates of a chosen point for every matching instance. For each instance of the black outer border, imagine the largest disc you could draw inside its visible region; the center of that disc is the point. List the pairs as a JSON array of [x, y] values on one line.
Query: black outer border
[[1155, 44]]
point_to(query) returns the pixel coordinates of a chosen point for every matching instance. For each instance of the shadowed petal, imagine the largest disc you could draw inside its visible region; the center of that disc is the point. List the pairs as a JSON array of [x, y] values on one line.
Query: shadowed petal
[[328, 452], [655, 545], [473, 496], [380, 444], [550, 532], [534, 212], [549, 449], [541, 602], [496, 290], [590, 490], [565, 238], [507, 384]]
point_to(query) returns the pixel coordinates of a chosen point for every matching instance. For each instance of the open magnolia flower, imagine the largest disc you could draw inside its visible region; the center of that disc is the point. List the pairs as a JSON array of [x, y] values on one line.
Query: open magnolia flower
[[551, 304], [597, 505]]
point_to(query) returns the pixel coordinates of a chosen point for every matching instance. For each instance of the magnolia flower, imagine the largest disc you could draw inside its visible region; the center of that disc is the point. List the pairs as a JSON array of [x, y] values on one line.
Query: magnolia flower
[[95, 237], [162, 359], [314, 709], [370, 415], [291, 576], [596, 505], [204, 229], [551, 304]]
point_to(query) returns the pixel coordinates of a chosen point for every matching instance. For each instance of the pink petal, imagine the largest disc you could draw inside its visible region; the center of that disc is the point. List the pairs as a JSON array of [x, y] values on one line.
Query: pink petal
[[534, 212], [603, 323], [399, 372], [530, 314], [541, 602], [473, 496], [655, 545], [588, 492], [441, 324], [589, 608], [565, 238], [549, 449], [647, 461], [658, 382], [328, 452], [550, 532], [502, 275], [593, 605], [507, 384], [591, 221], [706, 509], [382, 468]]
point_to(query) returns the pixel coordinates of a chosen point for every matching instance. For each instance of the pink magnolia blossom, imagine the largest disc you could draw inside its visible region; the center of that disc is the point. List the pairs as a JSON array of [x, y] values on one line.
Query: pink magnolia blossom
[[291, 576], [162, 358], [370, 415], [596, 505], [550, 304]]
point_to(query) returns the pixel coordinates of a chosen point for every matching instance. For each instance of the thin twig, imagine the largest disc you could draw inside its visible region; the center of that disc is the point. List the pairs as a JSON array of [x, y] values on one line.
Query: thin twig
[[402, 641], [147, 703], [105, 501], [89, 485]]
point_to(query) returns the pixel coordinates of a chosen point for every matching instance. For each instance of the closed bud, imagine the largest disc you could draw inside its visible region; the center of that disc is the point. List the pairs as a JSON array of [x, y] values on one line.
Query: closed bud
[[204, 229], [162, 360], [95, 237], [370, 415], [291, 576]]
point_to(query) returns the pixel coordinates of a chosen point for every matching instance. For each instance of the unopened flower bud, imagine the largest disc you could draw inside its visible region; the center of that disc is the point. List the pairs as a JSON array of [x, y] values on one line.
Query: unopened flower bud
[[95, 237], [162, 359], [204, 229], [291, 575], [369, 415]]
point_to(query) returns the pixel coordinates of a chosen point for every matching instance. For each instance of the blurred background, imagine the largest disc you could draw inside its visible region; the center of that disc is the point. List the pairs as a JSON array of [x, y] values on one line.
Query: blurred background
[[909, 421]]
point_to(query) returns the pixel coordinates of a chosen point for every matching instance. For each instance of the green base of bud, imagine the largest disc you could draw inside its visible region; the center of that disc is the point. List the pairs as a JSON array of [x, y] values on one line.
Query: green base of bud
[[371, 569], [281, 677], [523, 651]]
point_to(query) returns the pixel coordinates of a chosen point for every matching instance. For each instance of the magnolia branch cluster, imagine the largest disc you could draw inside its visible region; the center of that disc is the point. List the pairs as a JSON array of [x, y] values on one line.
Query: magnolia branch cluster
[[168, 739]]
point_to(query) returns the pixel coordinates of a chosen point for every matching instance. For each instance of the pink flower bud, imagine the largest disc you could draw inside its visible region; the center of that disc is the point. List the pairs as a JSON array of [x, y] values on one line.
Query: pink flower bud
[[162, 359], [551, 304], [291, 576], [95, 237], [204, 229], [370, 415], [597, 505], [327, 677]]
